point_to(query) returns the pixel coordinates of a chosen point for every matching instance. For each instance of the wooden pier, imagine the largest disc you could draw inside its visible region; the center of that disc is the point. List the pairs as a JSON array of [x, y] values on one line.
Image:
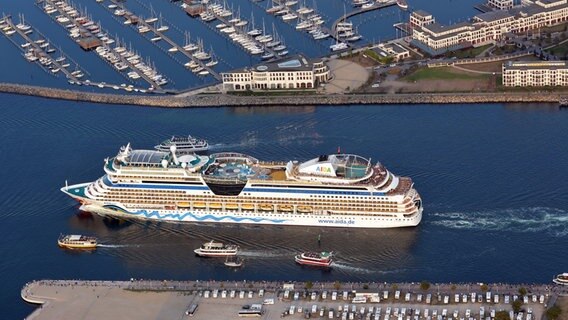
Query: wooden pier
[[79, 25], [39, 51], [172, 43]]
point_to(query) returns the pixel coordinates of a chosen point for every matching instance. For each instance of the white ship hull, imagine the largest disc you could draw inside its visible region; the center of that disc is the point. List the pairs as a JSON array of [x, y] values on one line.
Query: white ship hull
[[202, 216], [238, 189]]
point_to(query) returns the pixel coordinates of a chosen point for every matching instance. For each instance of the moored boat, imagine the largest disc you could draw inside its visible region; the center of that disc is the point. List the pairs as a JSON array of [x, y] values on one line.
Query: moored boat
[[76, 241], [316, 259], [216, 249]]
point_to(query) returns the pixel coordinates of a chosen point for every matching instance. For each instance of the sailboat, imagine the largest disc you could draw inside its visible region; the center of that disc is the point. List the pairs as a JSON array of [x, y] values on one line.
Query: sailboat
[[189, 46], [162, 27], [22, 25], [153, 17]]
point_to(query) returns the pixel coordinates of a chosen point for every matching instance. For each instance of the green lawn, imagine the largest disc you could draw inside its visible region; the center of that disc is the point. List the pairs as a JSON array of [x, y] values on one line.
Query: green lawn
[[559, 50], [444, 73], [469, 53]]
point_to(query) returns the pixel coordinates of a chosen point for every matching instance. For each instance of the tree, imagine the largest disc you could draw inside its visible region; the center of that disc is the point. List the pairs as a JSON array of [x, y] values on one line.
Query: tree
[[337, 285], [425, 285], [394, 286], [522, 291], [309, 285], [502, 315], [365, 286], [553, 312], [484, 288], [453, 287], [517, 305]]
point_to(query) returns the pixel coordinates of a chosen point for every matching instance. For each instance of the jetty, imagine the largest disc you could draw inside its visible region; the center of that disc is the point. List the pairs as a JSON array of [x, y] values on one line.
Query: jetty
[[170, 299], [89, 40], [164, 37], [376, 6]]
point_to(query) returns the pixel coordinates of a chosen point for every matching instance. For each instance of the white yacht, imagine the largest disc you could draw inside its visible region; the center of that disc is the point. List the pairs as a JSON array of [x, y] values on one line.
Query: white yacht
[[216, 249]]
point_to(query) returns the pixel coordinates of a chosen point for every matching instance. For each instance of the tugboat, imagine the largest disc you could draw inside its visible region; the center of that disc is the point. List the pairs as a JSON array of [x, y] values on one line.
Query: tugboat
[[561, 279], [233, 262], [216, 249], [316, 259], [183, 144], [76, 241]]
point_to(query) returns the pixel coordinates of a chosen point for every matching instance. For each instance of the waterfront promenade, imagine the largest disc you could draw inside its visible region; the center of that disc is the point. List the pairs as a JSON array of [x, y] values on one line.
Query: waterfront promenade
[[221, 100], [165, 299]]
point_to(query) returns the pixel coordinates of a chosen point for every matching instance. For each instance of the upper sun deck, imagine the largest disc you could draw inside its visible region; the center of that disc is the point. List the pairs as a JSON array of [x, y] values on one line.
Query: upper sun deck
[[342, 168]]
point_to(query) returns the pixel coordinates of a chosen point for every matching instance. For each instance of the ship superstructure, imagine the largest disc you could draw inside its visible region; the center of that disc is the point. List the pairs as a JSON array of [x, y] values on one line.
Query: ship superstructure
[[337, 190]]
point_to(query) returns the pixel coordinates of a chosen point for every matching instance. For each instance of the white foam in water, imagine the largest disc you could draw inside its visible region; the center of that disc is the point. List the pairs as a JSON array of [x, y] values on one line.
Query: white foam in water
[[117, 245], [352, 269], [263, 254], [534, 219]]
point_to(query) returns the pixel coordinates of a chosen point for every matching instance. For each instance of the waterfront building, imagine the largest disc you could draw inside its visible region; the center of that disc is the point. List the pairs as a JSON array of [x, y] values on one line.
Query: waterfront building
[[485, 28], [500, 4], [392, 49], [291, 73], [535, 73]]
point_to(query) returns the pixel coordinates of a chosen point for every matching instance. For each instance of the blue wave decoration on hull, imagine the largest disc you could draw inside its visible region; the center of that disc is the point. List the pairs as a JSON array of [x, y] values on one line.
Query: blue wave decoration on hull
[[208, 217]]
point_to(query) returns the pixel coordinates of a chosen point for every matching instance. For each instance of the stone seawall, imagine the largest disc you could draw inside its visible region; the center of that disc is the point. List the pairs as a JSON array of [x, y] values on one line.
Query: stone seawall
[[220, 100]]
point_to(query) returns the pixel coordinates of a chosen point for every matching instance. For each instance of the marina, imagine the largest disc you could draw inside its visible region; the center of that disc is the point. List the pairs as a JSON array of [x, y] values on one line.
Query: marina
[[159, 34], [85, 29], [34, 51], [272, 300], [254, 43]]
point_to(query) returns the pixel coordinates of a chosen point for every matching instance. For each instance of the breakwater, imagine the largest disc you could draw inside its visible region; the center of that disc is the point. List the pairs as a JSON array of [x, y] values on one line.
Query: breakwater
[[221, 100]]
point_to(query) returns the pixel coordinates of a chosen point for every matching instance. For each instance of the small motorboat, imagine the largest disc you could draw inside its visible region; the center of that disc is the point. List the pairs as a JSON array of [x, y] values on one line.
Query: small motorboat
[[76, 241], [315, 259], [234, 262], [561, 279]]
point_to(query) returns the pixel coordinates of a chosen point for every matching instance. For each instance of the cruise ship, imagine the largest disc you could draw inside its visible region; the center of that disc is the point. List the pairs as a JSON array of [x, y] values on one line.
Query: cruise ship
[[336, 190]]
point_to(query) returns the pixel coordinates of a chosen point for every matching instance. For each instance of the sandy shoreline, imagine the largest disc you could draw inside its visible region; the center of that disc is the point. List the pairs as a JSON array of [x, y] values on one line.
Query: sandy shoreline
[[222, 100]]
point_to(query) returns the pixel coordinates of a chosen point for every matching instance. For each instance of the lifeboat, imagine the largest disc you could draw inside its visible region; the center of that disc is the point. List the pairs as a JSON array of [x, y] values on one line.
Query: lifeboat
[[285, 208], [231, 206], [247, 206], [266, 207], [215, 205], [304, 209], [183, 204], [199, 204]]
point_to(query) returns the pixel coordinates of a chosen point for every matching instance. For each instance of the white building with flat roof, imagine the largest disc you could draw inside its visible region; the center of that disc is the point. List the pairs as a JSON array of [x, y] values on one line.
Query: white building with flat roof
[[486, 28], [535, 73], [295, 73]]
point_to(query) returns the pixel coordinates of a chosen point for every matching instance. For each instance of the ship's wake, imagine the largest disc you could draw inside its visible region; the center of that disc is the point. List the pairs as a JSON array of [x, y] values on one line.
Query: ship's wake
[[553, 221], [344, 267], [117, 245], [263, 254]]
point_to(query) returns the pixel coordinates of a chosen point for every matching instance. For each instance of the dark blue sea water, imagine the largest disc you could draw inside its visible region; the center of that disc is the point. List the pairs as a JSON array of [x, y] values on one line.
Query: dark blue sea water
[[374, 26], [493, 179]]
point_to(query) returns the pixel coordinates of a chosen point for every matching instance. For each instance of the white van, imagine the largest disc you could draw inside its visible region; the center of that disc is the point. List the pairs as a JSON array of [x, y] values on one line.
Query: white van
[[334, 296], [359, 300]]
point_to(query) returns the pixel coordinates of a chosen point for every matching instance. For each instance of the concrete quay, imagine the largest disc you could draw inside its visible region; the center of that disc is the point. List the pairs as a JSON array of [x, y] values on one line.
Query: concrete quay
[[223, 100], [149, 299]]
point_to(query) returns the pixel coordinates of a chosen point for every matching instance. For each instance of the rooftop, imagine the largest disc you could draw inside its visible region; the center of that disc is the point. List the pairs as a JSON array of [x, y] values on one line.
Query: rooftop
[[535, 65], [293, 63]]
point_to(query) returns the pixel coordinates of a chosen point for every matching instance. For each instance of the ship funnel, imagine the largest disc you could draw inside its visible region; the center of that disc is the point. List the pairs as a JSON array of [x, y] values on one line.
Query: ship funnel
[[173, 150]]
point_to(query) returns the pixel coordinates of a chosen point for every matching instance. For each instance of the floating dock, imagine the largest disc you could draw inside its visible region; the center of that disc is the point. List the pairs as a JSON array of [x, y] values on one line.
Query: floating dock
[[172, 43], [38, 50], [86, 35]]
